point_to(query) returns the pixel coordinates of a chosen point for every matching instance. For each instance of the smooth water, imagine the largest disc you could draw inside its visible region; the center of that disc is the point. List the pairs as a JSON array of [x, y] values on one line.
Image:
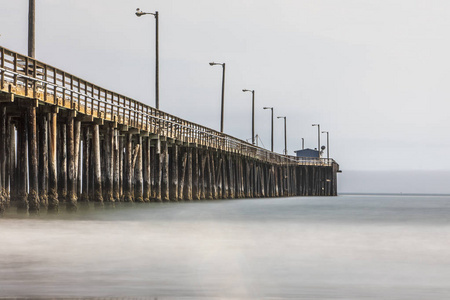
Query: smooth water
[[346, 247]]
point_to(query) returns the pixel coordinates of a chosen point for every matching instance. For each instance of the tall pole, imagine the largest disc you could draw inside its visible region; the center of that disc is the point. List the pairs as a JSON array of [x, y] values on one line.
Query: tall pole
[[328, 143], [253, 114], [271, 108], [141, 13], [157, 61], [318, 136], [223, 97], [285, 135], [223, 92], [303, 143], [31, 28], [253, 117]]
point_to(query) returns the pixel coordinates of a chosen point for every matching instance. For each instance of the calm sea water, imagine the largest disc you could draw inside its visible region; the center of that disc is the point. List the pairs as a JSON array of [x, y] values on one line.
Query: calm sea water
[[346, 247]]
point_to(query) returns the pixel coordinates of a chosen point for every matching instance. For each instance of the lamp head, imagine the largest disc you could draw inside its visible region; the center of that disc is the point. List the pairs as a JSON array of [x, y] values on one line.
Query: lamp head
[[139, 12], [246, 90], [267, 107], [315, 124], [212, 63], [324, 131], [281, 117]]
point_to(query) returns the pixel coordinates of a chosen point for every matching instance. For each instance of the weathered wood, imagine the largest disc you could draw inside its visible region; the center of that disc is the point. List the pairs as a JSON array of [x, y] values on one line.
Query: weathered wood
[[128, 193], [86, 164], [158, 171], [203, 175], [108, 169], [53, 203], [173, 165], [98, 196], [209, 177], [137, 166], [182, 181], [3, 144], [188, 194], [165, 171], [121, 166], [116, 165], [146, 168], [62, 160], [213, 175], [77, 146], [33, 196], [71, 199], [195, 174], [22, 166], [43, 160]]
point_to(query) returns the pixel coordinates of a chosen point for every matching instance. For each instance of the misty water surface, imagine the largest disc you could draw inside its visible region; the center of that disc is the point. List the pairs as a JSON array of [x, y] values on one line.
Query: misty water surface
[[347, 247]]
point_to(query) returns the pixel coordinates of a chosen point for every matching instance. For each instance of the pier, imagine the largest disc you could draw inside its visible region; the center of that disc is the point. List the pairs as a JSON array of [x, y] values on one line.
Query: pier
[[66, 141]]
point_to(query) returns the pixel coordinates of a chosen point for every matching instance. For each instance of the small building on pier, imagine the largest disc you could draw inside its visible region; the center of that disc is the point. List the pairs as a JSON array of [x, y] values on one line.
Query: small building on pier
[[307, 153]]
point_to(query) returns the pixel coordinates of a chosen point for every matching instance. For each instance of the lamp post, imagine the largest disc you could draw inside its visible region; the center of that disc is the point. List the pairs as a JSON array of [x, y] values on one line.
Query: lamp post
[[271, 108], [141, 13], [223, 91], [328, 143], [303, 144], [318, 136], [253, 114], [285, 139], [31, 27]]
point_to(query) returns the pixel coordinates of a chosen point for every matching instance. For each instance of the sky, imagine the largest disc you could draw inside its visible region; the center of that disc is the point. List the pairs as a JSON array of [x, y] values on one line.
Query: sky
[[375, 74]]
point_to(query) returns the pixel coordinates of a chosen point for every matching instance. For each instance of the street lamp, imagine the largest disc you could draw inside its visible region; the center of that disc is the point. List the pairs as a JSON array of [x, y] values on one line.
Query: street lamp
[[285, 140], [141, 13], [303, 143], [271, 108], [253, 114], [223, 91], [318, 136], [328, 143]]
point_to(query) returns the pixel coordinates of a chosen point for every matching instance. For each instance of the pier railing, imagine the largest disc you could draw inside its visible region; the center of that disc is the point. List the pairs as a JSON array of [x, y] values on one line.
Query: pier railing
[[27, 77]]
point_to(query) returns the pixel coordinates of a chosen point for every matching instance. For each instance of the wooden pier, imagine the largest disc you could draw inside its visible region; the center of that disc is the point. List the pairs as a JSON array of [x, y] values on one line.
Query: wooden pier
[[65, 141]]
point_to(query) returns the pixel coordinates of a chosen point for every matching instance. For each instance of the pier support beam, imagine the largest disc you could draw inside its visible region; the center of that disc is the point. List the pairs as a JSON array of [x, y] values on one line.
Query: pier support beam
[[53, 203], [71, 199], [97, 192], [86, 163], [43, 160], [22, 165], [173, 165], [165, 171]]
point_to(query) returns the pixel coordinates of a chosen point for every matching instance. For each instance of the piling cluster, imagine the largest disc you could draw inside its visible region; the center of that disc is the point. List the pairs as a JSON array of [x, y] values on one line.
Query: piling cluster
[[65, 141], [51, 157]]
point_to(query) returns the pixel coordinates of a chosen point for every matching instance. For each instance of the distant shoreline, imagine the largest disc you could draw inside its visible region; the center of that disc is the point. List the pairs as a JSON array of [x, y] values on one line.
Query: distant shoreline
[[392, 194]]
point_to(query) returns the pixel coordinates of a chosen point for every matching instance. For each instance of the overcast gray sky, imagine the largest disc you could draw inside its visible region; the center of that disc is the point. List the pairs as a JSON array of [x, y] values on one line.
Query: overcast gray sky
[[375, 74]]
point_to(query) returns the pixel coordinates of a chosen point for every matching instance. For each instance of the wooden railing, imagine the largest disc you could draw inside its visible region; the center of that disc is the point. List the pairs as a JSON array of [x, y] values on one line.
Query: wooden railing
[[30, 78]]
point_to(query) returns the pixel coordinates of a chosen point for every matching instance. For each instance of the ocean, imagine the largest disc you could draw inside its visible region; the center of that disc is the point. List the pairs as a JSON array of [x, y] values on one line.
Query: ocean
[[345, 247]]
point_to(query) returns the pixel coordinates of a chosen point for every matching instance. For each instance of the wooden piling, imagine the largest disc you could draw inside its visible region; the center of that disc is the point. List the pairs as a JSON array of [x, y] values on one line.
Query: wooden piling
[[71, 199], [173, 165], [188, 195], [116, 165], [195, 175], [128, 193], [53, 202], [77, 152], [182, 180], [98, 196], [43, 160], [108, 157], [86, 164], [22, 166], [146, 168], [165, 171], [138, 176]]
